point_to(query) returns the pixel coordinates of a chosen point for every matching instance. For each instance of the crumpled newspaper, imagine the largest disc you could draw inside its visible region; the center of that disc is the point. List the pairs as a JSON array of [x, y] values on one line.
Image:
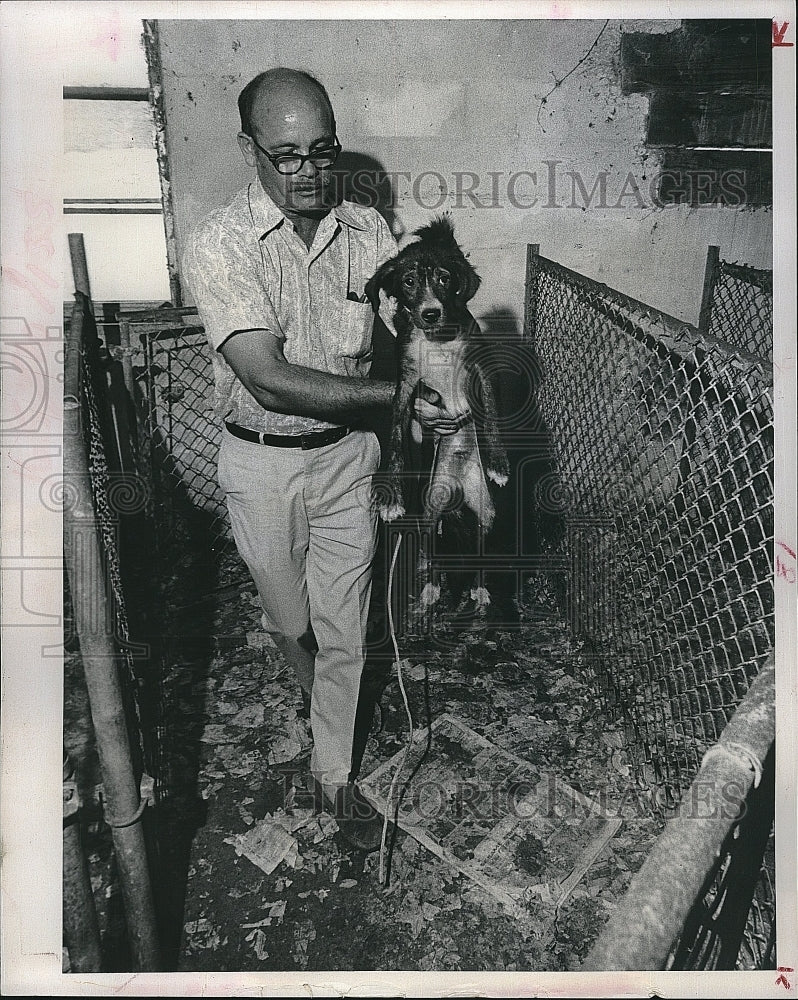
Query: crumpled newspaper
[[272, 841]]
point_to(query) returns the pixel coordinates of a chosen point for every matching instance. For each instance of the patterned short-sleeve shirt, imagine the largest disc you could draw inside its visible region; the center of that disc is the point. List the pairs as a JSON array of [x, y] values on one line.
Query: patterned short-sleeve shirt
[[247, 268]]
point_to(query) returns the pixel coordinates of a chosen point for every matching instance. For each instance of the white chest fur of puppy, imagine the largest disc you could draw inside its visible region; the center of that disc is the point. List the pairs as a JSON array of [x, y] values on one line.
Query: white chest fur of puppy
[[457, 479], [431, 282]]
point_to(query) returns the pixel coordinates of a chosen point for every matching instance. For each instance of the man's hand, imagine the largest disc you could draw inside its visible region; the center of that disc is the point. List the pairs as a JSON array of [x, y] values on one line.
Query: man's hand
[[433, 415]]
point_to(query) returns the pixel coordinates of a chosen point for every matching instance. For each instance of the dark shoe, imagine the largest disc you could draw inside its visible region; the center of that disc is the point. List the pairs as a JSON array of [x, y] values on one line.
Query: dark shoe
[[359, 822]]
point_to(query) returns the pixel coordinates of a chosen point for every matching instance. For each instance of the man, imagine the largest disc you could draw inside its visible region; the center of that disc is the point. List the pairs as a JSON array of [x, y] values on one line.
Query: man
[[278, 276]]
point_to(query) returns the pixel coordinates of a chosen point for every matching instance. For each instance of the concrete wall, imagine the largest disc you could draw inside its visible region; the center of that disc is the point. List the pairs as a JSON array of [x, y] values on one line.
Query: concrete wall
[[465, 96]]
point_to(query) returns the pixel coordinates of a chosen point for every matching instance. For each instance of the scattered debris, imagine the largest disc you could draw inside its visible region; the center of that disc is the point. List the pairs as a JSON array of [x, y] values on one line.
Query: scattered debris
[[260, 640], [515, 829], [201, 935], [266, 845], [249, 717], [258, 940], [236, 741], [283, 749], [304, 934]]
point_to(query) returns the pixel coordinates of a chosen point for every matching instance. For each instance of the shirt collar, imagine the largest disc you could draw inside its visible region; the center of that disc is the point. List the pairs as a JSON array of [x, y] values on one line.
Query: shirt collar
[[266, 216], [346, 213]]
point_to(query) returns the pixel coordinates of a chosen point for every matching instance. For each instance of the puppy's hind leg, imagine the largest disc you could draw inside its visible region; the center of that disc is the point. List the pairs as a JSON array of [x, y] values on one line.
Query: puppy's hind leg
[[429, 585]]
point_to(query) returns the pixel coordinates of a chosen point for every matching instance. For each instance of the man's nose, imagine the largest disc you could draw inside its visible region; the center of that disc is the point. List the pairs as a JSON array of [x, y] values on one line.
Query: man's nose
[[430, 315], [308, 169]]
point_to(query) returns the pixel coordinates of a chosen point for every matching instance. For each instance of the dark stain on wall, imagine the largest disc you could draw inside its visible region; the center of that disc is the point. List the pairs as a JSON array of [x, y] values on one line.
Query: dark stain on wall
[[710, 112]]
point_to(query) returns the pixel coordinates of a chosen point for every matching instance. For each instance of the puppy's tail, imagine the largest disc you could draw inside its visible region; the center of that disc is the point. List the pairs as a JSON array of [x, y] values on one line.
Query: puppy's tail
[[440, 230]]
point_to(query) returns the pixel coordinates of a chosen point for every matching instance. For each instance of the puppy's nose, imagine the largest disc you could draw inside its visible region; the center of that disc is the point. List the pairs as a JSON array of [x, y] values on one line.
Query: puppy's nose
[[430, 315]]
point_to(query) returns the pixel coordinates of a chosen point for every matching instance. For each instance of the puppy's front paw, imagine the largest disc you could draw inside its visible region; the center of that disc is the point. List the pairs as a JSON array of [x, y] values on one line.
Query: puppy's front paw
[[500, 478], [391, 512]]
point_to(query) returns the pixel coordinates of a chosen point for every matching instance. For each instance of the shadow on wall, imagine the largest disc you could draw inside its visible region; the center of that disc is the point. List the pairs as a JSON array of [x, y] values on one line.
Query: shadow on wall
[[524, 522], [363, 179]]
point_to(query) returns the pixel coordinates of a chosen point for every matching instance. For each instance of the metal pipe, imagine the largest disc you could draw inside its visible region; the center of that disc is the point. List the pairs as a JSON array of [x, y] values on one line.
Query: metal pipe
[[80, 269], [531, 297], [708, 294], [106, 94], [111, 201], [641, 932], [109, 210], [81, 929], [92, 617]]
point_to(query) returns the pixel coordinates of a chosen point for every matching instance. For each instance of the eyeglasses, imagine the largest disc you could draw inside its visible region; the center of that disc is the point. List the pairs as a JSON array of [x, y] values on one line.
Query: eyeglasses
[[292, 163]]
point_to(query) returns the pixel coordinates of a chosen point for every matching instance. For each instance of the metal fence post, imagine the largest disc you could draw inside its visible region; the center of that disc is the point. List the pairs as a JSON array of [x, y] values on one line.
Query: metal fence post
[[640, 933], [92, 613], [81, 930], [531, 297], [708, 295]]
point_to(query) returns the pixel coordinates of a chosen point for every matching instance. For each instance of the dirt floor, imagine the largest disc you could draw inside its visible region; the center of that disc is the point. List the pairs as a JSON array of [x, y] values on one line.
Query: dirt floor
[[234, 750]]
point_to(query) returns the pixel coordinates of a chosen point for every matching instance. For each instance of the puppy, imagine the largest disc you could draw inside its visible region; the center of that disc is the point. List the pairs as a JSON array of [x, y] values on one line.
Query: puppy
[[432, 281]]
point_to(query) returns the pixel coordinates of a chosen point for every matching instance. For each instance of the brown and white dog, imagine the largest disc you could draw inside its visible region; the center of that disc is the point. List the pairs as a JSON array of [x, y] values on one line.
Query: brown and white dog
[[432, 281]]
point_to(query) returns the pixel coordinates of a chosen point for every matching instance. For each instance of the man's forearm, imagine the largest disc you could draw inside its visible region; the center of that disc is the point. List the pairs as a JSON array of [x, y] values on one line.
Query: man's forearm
[[306, 392]]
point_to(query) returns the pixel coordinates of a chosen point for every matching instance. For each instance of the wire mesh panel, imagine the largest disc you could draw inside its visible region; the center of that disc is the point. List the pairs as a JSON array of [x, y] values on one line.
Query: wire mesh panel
[[742, 308], [663, 449], [180, 390], [663, 443], [115, 495], [174, 376]]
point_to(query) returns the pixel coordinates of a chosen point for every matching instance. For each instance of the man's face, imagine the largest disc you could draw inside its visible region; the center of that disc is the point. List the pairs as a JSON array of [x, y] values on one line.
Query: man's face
[[292, 119]]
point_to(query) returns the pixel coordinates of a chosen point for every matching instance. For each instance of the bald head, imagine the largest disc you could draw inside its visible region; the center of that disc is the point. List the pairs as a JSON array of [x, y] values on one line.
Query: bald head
[[287, 113], [273, 89]]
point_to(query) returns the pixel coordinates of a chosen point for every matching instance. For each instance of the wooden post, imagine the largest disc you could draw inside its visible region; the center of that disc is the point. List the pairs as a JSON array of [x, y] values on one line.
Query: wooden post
[[710, 275], [155, 72]]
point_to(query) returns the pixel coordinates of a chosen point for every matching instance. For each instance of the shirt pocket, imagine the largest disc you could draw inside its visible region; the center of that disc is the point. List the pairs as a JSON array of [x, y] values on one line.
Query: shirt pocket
[[356, 321]]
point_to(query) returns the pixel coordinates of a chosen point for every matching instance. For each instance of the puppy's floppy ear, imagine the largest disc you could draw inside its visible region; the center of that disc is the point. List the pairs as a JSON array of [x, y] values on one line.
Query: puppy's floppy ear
[[468, 281], [385, 278]]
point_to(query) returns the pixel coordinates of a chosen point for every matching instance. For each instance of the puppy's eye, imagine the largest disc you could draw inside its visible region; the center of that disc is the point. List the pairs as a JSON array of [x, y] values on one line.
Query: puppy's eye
[[409, 280], [443, 278]]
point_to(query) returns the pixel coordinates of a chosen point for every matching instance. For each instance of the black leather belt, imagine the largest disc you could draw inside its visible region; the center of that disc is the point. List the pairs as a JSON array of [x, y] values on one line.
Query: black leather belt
[[316, 439]]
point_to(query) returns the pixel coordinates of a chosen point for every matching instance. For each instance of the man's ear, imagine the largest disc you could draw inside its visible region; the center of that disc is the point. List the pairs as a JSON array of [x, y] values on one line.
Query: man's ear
[[468, 281], [384, 278], [247, 148]]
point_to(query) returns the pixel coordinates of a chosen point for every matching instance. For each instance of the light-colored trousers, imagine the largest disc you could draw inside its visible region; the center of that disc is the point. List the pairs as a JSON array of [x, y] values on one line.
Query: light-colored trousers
[[303, 523]]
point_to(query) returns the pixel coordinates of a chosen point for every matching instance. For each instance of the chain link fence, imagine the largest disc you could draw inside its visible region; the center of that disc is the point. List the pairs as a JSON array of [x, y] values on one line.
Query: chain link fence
[[659, 505], [119, 496], [662, 442], [105, 524], [173, 375], [738, 306]]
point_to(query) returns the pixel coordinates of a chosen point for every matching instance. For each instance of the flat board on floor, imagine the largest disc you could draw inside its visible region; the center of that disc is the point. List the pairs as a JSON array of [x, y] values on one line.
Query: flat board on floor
[[510, 826]]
